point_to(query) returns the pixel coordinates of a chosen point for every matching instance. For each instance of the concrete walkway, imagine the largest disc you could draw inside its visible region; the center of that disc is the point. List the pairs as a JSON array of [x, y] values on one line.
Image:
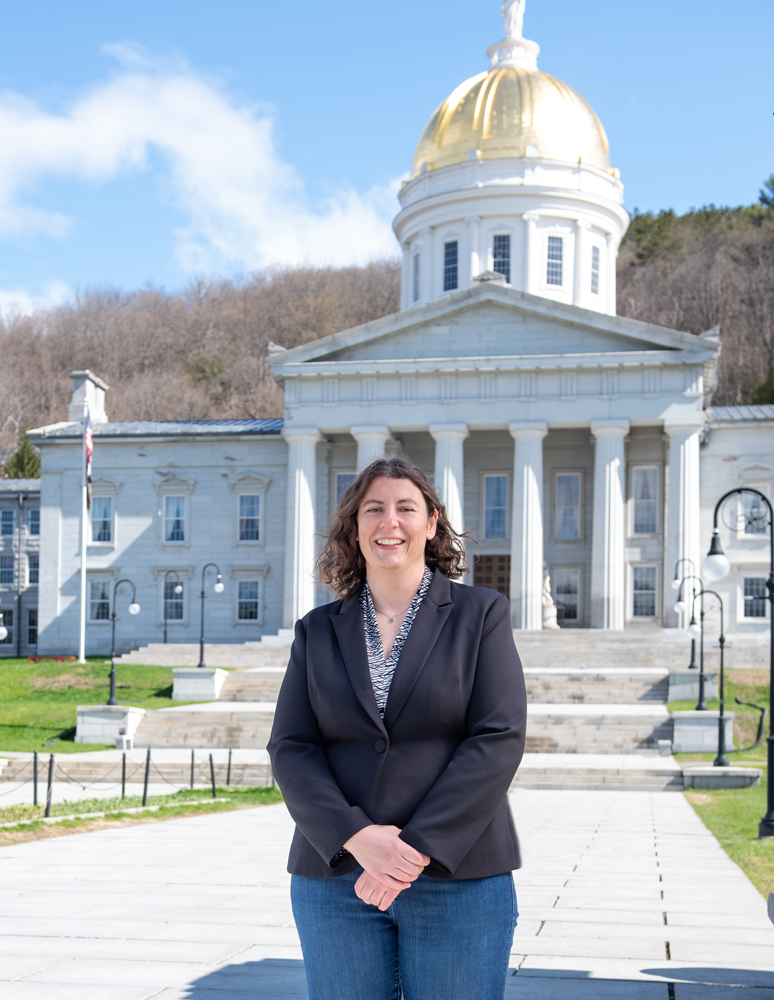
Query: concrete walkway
[[622, 895]]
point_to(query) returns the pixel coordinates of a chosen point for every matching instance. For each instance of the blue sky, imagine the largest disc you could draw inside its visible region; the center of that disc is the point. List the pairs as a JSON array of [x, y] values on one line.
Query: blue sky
[[147, 143]]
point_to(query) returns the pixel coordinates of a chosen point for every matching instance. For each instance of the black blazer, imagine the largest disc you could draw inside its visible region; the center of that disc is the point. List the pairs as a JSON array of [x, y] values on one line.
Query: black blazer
[[439, 765]]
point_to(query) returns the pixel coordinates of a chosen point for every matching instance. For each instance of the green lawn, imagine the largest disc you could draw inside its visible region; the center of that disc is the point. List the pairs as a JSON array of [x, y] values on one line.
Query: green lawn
[[733, 815], [38, 700], [751, 686]]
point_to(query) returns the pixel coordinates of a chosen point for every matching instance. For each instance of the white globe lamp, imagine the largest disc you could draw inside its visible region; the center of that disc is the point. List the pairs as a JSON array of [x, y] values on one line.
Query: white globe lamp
[[716, 565]]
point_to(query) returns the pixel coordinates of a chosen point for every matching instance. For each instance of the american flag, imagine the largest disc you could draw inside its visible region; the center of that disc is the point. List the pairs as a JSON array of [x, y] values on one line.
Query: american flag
[[88, 452]]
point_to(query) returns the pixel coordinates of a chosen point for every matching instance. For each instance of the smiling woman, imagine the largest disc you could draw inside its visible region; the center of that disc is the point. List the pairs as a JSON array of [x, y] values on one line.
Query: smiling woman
[[398, 730]]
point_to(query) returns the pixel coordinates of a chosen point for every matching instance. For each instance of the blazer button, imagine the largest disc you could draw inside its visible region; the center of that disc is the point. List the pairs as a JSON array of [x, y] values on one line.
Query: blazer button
[[380, 746]]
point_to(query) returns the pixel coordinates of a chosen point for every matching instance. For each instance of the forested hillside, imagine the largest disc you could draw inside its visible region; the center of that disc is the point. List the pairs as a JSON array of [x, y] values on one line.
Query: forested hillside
[[201, 353]]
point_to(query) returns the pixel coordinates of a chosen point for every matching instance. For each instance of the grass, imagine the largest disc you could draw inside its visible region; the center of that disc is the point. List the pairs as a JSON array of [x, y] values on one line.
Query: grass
[[732, 815], [197, 802], [38, 700], [751, 686]]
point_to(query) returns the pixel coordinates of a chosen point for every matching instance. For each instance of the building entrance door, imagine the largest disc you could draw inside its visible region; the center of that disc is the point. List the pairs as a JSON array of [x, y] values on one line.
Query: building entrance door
[[493, 572]]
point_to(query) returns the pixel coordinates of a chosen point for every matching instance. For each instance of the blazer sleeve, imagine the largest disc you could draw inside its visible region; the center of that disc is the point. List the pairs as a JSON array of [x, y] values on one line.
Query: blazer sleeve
[[464, 799], [314, 799]]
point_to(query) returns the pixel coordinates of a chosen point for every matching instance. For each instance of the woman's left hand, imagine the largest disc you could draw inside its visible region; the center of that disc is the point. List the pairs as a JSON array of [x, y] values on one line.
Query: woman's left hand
[[374, 892]]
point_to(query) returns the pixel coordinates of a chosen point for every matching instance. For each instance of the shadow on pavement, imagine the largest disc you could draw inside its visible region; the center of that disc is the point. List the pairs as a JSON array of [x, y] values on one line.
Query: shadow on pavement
[[714, 975], [269, 979]]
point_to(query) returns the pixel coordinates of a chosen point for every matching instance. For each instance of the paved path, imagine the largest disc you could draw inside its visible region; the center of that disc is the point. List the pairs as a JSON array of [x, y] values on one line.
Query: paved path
[[622, 894]]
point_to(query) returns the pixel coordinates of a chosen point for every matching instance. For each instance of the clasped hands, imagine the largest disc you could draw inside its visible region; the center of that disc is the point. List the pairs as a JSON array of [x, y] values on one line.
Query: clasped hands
[[389, 864]]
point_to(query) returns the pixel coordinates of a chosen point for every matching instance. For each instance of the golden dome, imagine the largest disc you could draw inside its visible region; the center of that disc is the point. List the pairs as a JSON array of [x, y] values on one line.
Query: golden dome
[[512, 113]]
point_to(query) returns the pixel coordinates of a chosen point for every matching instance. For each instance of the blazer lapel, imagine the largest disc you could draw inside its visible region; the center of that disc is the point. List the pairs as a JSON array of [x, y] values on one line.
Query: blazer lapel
[[348, 625], [430, 619]]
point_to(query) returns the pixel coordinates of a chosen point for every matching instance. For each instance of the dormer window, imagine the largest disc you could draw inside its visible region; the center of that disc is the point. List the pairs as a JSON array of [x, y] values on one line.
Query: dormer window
[[501, 256], [450, 266], [555, 255]]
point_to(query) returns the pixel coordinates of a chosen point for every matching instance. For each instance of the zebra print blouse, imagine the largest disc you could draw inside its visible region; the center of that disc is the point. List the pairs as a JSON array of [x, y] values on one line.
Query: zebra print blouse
[[382, 668]]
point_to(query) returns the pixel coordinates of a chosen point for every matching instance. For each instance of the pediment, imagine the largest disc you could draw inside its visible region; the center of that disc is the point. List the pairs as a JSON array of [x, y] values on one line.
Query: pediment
[[492, 322], [247, 482]]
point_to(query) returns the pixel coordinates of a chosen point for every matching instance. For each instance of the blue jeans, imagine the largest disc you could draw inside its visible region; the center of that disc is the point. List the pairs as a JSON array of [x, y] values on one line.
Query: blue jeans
[[442, 939]]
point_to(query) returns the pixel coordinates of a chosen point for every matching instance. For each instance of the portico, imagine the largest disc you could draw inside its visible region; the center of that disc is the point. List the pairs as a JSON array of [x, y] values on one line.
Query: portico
[[569, 448]]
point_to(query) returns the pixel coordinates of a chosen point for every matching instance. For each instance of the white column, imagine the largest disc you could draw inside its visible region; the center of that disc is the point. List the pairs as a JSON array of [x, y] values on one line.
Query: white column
[[405, 285], [609, 538], [527, 526], [426, 265], [474, 237], [449, 469], [300, 523], [610, 274], [371, 442], [580, 272], [531, 261], [682, 528]]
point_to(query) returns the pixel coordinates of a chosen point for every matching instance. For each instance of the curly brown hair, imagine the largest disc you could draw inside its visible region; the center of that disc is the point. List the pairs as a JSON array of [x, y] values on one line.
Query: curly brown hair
[[341, 565]]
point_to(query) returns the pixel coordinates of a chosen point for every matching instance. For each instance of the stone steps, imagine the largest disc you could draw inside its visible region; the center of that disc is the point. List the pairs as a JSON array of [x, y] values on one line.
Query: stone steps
[[186, 654], [595, 729], [200, 727]]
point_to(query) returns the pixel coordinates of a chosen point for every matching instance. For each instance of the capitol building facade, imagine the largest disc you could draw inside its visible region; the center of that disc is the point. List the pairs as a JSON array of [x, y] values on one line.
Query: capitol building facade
[[580, 448]]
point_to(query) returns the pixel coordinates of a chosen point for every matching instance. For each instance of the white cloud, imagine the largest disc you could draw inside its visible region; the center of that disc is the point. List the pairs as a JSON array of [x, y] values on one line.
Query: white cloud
[[18, 302], [245, 206]]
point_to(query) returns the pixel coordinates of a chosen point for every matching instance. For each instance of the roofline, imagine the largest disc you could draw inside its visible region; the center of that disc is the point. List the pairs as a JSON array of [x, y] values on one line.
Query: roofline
[[535, 304]]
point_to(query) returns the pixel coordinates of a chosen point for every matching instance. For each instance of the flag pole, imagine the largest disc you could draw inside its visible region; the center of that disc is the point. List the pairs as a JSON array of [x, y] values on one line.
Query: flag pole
[[84, 519]]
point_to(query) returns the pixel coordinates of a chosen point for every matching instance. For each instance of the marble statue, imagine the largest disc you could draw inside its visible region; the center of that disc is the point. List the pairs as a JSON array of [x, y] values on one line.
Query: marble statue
[[513, 15], [549, 608]]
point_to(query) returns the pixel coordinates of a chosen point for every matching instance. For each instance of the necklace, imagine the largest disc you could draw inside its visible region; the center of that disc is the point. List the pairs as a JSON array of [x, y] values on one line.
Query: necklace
[[384, 614]]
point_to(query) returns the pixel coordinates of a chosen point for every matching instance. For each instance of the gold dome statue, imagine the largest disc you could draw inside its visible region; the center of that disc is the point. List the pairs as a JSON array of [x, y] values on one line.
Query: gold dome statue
[[512, 111]]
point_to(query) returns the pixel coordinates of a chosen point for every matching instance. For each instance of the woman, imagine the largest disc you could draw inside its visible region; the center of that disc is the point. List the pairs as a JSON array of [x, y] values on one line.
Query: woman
[[398, 730]]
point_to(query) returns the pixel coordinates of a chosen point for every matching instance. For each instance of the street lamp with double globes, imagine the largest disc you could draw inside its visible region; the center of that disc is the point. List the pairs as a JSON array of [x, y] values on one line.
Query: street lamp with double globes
[[677, 584], [696, 631], [715, 567], [218, 588], [134, 609], [177, 590]]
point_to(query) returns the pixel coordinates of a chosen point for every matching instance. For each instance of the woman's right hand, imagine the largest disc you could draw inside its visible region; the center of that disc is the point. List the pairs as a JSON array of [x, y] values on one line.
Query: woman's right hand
[[381, 852]]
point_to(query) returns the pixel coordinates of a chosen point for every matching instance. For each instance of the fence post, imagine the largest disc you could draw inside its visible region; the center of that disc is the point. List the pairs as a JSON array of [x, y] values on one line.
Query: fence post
[[123, 775], [50, 784], [147, 775], [212, 779], [192, 770], [228, 772], [35, 778]]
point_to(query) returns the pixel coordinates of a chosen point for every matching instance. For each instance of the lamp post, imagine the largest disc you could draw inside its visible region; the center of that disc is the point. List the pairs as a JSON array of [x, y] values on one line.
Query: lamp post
[[218, 588], [715, 567], [134, 609], [178, 589], [677, 584], [680, 607], [721, 760]]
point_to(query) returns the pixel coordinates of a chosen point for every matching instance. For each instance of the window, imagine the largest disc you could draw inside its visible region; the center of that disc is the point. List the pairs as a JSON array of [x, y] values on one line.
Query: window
[[755, 597], [755, 513], [415, 278], [247, 600], [33, 568], [555, 251], [568, 507], [99, 601], [33, 521], [343, 481], [7, 572], [249, 517], [495, 506], [173, 600], [8, 623], [567, 593], [644, 500], [450, 266], [595, 270], [643, 591], [102, 519], [174, 518], [502, 256], [6, 522], [32, 626]]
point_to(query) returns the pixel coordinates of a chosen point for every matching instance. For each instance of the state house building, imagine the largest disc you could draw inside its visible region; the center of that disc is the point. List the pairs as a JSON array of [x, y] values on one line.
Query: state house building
[[572, 442]]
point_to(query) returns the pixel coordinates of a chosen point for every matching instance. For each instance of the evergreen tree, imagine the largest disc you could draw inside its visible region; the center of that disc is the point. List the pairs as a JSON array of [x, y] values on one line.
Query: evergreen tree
[[25, 461], [766, 195]]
